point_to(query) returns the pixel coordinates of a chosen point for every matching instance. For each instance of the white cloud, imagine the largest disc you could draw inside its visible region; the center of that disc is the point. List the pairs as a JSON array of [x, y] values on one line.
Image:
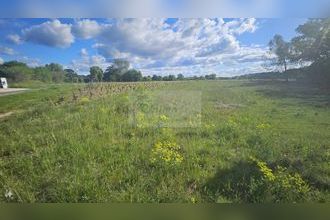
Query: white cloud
[[1, 61], [191, 46], [85, 61], [31, 62], [83, 52], [187, 45], [6, 51], [86, 29], [14, 38], [51, 33], [249, 25]]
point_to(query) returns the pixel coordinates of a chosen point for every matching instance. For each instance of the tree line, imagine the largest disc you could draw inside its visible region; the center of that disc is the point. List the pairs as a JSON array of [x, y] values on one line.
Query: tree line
[[119, 71], [16, 71]]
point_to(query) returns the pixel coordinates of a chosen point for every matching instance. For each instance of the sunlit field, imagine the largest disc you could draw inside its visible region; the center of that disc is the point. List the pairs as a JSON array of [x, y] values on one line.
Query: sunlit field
[[204, 141]]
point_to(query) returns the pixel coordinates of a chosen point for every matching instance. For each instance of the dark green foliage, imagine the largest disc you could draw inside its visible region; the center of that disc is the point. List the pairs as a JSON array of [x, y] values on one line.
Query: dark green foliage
[[42, 74], [169, 78], [96, 74], [132, 75], [72, 76], [119, 71], [180, 77], [211, 76], [16, 71], [156, 78]]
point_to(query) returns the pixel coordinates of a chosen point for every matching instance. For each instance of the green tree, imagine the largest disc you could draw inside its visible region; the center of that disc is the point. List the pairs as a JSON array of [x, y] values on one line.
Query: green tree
[[121, 65], [132, 75], [313, 42], [57, 72], [211, 77], [71, 76], [169, 78], [281, 49], [16, 71], [96, 73], [146, 78], [42, 74], [156, 78], [115, 72], [180, 77], [111, 74]]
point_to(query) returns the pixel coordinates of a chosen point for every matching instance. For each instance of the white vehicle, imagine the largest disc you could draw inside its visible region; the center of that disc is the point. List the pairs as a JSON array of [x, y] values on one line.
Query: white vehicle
[[3, 83]]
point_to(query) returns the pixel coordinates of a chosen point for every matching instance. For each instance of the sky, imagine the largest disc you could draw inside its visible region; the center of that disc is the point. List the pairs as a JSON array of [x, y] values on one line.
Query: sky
[[162, 46]]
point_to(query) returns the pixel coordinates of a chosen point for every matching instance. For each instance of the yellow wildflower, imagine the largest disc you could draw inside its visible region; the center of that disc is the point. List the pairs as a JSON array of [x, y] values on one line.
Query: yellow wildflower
[[163, 118], [263, 126], [166, 152]]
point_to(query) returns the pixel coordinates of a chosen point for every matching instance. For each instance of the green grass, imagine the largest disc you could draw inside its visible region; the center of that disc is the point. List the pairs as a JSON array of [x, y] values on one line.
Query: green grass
[[89, 149], [34, 96]]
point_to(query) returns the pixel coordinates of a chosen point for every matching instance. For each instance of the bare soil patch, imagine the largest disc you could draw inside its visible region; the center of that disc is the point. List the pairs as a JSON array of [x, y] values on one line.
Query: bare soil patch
[[3, 115]]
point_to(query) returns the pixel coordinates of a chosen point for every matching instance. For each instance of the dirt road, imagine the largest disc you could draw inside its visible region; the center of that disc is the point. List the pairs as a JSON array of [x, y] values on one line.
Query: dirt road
[[11, 91]]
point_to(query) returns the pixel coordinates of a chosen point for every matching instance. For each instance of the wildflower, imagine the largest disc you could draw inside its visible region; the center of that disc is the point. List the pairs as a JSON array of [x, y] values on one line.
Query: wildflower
[[166, 152], [263, 126], [266, 171], [163, 118], [84, 198], [193, 200], [9, 194]]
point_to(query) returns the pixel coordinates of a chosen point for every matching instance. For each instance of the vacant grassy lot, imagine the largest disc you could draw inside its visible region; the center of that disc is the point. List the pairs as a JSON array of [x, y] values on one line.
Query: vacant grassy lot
[[196, 141]]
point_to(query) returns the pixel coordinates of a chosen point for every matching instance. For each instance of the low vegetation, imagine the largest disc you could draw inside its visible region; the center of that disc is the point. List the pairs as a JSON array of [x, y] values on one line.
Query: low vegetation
[[115, 142], [118, 136]]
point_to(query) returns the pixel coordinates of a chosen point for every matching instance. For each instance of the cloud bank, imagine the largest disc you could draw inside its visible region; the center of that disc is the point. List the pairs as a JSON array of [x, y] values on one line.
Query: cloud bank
[[156, 46]]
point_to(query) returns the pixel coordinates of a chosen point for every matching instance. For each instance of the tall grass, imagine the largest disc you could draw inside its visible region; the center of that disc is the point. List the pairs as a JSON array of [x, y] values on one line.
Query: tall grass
[[80, 145]]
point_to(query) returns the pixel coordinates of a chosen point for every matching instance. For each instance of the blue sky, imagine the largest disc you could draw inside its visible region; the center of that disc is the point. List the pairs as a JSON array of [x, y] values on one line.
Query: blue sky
[[155, 46]]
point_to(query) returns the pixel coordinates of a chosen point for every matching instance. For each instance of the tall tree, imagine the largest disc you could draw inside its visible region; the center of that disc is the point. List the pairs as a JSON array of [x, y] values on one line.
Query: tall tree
[[96, 73], [116, 71], [122, 65], [57, 72], [132, 75], [180, 77], [71, 76], [313, 42], [281, 49]]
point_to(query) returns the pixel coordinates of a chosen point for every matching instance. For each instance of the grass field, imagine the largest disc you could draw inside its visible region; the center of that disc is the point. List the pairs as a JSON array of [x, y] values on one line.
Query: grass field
[[190, 141]]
